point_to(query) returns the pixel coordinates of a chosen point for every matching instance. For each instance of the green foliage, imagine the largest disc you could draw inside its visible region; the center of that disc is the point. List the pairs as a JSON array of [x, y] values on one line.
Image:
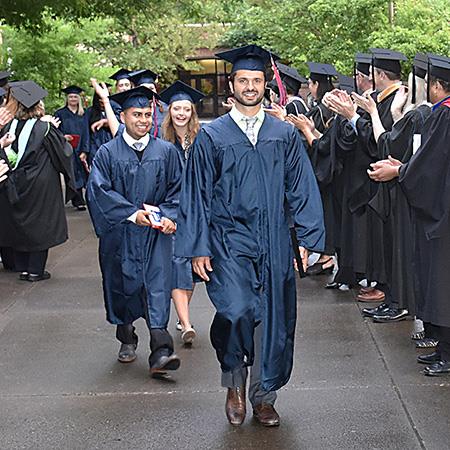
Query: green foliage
[[56, 58], [333, 31]]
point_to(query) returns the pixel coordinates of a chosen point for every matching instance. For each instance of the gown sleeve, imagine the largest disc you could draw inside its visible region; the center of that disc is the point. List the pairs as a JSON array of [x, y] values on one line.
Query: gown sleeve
[[303, 196], [169, 207], [107, 207], [195, 201]]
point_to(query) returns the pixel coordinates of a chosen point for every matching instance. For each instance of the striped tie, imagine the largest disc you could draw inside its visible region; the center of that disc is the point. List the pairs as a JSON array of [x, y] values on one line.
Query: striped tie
[[250, 129]]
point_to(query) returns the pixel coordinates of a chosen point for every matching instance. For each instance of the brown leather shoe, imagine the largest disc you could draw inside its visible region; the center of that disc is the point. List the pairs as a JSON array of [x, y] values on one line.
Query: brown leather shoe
[[373, 296], [235, 407], [365, 290], [266, 415]]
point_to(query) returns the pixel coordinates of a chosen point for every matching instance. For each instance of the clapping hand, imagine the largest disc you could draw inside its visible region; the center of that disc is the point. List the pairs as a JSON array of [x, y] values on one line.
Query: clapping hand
[[5, 117], [384, 170], [341, 103], [7, 140], [3, 169], [301, 122], [365, 101], [51, 119], [276, 111]]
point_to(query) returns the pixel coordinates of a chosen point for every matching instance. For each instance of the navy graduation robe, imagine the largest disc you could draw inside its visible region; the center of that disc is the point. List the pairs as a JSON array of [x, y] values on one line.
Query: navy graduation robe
[[234, 207], [72, 123], [135, 261]]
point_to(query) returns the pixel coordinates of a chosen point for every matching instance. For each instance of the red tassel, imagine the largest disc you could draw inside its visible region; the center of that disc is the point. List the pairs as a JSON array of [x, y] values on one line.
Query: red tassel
[[281, 88], [155, 119]]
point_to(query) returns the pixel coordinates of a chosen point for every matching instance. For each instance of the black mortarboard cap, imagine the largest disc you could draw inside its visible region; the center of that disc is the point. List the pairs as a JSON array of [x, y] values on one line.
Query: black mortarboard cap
[[439, 67], [249, 57], [321, 71], [363, 62], [272, 84], [72, 89], [142, 76], [180, 91], [120, 75], [4, 75], [387, 59], [28, 93], [290, 76], [346, 83], [138, 97]]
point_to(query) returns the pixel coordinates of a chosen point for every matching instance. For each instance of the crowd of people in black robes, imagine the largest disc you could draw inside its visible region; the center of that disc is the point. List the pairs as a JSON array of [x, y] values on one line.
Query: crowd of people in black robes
[[378, 146]]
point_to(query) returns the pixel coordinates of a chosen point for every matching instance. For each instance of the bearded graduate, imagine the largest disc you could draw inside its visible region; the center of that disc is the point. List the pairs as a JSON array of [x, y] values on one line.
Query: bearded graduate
[[247, 174], [133, 170]]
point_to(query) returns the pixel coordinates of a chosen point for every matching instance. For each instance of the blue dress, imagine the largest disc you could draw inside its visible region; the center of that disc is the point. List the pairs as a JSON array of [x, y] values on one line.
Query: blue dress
[[234, 207], [72, 123], [135, 261], [183, 278]]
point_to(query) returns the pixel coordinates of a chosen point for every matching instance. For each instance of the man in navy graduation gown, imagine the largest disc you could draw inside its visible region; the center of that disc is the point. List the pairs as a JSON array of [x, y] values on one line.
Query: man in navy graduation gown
[[136, 259], [247, 174]]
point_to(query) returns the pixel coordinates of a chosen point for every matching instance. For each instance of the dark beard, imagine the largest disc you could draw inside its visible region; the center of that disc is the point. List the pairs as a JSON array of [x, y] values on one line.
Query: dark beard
[[243, 101]]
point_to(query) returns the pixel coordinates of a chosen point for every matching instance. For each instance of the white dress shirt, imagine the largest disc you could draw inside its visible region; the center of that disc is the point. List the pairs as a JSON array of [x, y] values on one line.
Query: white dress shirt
[[240, 120]]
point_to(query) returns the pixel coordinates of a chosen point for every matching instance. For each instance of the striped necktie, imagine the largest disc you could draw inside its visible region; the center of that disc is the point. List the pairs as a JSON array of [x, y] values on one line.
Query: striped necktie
[[250, 128]]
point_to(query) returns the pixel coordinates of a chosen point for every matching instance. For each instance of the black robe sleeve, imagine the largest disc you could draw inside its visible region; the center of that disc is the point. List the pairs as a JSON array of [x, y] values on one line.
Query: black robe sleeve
[[425, 179]]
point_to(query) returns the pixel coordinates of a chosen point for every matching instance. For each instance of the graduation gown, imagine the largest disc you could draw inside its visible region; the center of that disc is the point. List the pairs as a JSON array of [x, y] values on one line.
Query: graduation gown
[[296, 106], [320, 115], [92, 141], [425, 181], [234, 207], [327, 167], [31, 198], [135, 260], [390, 202], [378, 234], [72, 123], [183, 277]]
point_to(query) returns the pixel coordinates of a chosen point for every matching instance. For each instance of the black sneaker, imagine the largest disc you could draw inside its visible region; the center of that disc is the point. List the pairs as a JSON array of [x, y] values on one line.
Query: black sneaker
[[370, 312]]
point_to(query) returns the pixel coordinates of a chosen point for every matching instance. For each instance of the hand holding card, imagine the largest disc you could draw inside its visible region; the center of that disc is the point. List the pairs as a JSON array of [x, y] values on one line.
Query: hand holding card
[[154, 216]]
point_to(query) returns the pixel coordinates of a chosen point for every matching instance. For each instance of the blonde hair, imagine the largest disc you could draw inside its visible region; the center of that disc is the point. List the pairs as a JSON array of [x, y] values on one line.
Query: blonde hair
[[80, 109], [34, 112], [168, 129], [421, 93]]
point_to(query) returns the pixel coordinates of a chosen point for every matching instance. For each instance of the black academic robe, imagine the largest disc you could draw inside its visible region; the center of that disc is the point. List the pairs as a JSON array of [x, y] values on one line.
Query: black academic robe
[[136, 261], [31, 199], [234, 207], [296, 106], [390, 202], [72, 123], [327, 167], [320, 115], [425, 181], [378, 234]]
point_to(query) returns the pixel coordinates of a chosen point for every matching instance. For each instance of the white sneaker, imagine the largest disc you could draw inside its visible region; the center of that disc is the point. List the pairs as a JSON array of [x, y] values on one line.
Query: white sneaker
[[188, 335], [178, 326]]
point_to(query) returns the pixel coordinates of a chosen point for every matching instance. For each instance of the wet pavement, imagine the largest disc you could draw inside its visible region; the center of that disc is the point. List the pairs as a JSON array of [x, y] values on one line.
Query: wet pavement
[[355, 384]]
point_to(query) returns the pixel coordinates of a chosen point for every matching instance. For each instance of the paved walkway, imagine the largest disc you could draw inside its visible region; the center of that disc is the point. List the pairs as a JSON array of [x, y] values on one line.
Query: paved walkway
[[355, 384]]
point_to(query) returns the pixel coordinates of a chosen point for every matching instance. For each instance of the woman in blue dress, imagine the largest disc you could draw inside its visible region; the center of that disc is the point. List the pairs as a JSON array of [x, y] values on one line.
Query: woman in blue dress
[[180, 127]]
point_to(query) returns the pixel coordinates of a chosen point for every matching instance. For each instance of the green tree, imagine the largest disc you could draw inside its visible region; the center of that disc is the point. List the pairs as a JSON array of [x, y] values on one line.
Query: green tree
[[57, 57], [321, 30]]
